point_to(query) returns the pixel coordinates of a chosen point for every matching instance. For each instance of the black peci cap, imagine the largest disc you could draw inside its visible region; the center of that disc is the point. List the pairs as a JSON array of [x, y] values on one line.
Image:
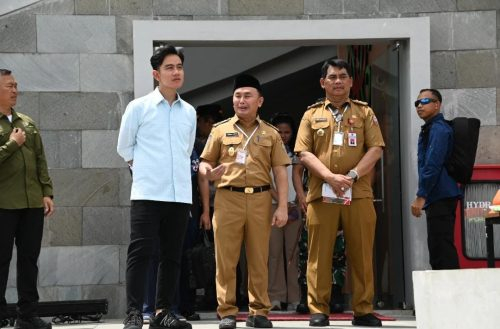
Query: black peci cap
[[246, 80]]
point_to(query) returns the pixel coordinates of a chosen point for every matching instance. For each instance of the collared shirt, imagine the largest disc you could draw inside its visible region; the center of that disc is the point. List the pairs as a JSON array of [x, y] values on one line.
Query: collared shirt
[[264, 151], [316, 133], [435, 143], [159, 138], [24, 176]]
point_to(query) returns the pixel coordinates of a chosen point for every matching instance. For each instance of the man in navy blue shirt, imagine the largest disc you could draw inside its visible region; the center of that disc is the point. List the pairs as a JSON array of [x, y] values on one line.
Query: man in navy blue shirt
[[437, 193]]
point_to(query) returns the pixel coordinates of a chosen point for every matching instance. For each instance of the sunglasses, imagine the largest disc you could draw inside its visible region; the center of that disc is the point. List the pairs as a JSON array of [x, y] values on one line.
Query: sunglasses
[[424, 101]]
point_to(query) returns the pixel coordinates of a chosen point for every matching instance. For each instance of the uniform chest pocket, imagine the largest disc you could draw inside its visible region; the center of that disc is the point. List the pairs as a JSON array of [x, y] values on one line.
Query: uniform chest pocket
[[30, 129], [320, 128], [232, 140], [357, 125], [263, 140], [230, 144]]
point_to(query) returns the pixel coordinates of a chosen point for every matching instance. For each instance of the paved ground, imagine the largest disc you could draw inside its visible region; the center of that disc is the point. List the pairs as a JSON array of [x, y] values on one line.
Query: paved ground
[[404, 319]]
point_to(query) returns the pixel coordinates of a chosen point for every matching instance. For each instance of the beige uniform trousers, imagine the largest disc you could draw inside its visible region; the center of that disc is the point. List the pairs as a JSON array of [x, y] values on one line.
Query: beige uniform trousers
[[284, 266], [242, 217], [358, 221]]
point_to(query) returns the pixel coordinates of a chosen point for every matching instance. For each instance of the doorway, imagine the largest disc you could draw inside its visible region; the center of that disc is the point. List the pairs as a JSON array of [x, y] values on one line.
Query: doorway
[[290, 79], [414, 74]]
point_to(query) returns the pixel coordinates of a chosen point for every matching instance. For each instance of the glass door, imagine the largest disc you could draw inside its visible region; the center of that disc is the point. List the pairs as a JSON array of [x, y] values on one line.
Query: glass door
[[388, 250]]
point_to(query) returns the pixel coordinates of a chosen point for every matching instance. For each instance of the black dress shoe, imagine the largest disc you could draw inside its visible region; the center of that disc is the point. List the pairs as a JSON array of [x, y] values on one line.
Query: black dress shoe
[[319, 320], [258, 321], [302, 308], [228, 322], [191, 316], [367, 320]]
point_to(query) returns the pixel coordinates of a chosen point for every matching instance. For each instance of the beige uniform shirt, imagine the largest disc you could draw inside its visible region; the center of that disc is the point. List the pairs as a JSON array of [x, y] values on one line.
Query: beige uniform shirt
[[316, 134], [264, 151]]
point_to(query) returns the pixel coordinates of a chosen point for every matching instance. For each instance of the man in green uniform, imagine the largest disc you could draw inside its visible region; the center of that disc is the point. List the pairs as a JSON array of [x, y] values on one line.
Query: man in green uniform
[[339, 141], [239, 155], [26, 197]]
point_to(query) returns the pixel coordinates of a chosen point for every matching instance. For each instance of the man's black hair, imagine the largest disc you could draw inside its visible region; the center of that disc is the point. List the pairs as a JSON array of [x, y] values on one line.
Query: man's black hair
[[434, 92], [210, 111], [162, 52], [5, 72], [335, 62]]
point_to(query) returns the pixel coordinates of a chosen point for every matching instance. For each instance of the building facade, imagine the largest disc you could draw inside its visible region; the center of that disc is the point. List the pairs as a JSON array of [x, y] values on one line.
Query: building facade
[[74, 61]]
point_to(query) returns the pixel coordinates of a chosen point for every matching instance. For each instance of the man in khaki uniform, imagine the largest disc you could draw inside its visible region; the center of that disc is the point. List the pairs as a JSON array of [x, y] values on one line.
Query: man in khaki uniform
[[239, 155], [339, 141]]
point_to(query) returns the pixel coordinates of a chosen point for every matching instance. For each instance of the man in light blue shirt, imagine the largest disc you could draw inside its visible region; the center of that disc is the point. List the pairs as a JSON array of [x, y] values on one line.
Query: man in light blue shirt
[[156, 139]]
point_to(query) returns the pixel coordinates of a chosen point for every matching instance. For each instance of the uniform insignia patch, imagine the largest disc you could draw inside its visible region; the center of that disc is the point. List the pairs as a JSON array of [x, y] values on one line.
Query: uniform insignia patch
[[320, 119], [232, 134]]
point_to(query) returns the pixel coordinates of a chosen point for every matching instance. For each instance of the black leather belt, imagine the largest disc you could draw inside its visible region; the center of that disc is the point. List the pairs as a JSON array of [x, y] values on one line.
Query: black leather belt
[[248, 190]]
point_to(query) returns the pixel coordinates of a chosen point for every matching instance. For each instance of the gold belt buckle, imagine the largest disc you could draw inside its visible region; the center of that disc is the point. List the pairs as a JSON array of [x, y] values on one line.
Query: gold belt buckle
[[248, 190]]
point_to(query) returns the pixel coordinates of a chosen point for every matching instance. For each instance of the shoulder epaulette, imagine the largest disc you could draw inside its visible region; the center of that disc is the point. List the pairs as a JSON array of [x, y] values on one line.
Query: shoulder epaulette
[[270, 125], [320, 102], [25, 118], [220, 122], [359, 102]]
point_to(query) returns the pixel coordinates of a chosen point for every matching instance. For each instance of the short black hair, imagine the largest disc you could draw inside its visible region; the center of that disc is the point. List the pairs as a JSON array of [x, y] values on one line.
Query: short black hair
[[286, 118], [162, 52], [5, 72], [335, 62], [210, 111], [434, 92]]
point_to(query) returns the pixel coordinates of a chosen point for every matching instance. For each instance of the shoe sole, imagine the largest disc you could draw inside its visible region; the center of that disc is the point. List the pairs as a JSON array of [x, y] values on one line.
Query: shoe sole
[[325, 324], [184, 325], [366, 324]]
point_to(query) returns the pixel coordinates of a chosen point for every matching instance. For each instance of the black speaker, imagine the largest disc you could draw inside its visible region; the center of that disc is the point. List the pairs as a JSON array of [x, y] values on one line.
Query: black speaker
[[67, 311]]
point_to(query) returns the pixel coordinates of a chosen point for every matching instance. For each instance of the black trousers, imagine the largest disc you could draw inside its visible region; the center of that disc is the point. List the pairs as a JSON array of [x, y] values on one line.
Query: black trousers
[[440, 234], [24, 227], [166, 221]]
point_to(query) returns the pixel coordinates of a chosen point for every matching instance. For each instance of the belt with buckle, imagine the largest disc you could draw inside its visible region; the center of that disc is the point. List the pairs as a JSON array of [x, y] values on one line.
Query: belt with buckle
[[248, 190]]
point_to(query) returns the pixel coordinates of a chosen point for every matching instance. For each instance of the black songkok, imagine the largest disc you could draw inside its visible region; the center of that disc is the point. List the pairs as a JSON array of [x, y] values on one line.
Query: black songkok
[[246, 80]]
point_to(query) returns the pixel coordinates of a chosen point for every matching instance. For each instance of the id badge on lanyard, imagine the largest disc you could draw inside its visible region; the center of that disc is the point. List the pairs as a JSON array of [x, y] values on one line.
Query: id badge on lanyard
[[338, 138], [241, 155]]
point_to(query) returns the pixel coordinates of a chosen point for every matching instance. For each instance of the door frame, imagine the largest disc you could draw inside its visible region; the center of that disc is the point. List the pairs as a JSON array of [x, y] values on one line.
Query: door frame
[[412, 33]]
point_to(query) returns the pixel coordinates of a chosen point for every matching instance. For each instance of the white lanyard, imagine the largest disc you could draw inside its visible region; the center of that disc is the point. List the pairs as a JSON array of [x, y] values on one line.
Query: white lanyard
[[248, 137], [338, 116]]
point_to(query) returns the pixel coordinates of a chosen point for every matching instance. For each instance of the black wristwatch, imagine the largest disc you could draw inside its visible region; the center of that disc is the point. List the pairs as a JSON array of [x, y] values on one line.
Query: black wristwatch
[[353, 174]]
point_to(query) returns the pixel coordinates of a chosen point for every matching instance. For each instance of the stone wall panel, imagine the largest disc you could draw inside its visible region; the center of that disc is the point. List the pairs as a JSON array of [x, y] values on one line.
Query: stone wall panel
[[62, 148], [186, 7], [85, 187], [99, 149], [78, 111], [70, 266], [266, 8], [44, 72], [473, 102], [105, 226], [92, 7], [28, 103], [106, 73], [63, 228], [476, 69], [18, 33], [487, 150], [443, 70], [76, 34]]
